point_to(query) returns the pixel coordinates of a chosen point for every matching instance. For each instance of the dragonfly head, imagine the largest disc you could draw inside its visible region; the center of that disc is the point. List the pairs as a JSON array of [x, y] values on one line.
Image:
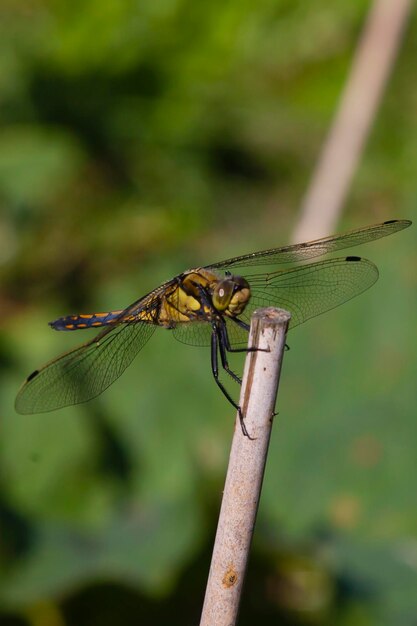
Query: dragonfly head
[[231, 295]]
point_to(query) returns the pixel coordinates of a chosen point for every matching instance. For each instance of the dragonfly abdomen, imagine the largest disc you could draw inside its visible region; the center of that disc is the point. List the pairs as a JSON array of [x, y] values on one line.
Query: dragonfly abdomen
[[91, 320]]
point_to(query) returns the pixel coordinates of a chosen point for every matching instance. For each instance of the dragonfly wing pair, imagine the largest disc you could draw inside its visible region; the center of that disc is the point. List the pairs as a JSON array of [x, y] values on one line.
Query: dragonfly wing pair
[[306, 291]]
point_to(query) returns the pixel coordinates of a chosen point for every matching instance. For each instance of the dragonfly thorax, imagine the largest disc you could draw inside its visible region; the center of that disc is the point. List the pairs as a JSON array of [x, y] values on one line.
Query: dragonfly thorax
[[203, 293]]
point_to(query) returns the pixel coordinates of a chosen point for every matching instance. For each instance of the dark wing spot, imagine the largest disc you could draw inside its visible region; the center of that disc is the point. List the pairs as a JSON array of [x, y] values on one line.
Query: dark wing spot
[[32, 375], [390, 221], [355, 259]]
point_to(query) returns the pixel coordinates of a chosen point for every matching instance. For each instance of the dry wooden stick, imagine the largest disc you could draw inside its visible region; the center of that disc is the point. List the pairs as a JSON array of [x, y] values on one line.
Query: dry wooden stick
[[246, 468]]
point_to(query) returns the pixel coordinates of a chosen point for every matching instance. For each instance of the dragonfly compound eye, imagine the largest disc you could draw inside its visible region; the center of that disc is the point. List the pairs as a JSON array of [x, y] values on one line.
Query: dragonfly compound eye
[[222, 294], [231, 295]]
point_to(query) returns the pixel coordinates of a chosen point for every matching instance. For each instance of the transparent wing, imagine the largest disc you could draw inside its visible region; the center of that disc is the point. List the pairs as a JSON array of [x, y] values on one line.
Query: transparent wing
[[318, 247], [193, 333], [313, 289], [84, 372], [304, 291], [199, 333]]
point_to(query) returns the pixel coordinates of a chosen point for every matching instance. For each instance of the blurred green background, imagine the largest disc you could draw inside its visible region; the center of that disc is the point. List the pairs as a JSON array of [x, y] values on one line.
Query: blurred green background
[[139, 139]]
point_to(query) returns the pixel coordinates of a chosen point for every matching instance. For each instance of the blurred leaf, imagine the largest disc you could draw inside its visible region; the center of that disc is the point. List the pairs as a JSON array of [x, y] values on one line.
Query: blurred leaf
[[36, 164], [138, 546]]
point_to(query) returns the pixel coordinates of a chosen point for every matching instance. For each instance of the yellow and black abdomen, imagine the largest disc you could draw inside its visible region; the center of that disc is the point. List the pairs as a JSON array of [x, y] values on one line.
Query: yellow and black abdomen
[[91, 320]]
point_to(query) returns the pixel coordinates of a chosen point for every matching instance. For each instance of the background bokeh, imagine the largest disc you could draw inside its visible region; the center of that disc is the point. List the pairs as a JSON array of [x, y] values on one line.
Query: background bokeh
[[139, 139]]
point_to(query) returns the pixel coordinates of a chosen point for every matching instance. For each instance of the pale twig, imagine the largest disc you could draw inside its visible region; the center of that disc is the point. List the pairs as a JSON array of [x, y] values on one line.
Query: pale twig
[[344, 145], [246, 468]]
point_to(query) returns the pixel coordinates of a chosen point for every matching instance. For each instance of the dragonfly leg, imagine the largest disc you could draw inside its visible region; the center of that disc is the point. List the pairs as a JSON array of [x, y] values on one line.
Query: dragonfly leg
[[226, 336], [241, 323], [222, 342], [215, 343], [227, 341]]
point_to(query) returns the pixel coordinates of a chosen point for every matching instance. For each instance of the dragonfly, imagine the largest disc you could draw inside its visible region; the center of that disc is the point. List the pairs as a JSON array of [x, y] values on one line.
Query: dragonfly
[[205, 306]]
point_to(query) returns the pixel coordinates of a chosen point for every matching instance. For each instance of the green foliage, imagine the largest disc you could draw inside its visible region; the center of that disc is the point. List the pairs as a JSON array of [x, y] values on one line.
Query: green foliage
[[142, 138]]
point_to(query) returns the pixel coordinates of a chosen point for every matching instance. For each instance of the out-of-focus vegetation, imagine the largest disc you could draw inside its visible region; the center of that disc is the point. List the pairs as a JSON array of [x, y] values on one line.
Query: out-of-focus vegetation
[[139, 139]]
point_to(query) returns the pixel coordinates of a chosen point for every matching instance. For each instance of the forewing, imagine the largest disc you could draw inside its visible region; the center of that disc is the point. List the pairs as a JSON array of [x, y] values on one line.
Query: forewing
[[318, 247], [84, 372], [313, 289]]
